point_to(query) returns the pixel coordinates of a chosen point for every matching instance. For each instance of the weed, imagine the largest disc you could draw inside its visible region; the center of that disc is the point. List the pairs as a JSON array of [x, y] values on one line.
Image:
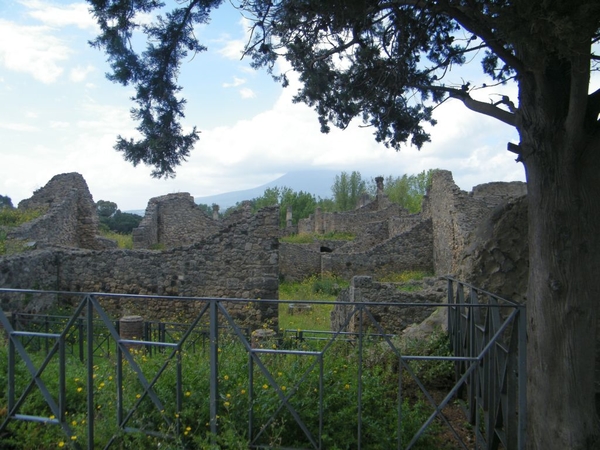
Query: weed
[[12, 217], [122, 240], [321, 288], [404, 277], [309, 238]]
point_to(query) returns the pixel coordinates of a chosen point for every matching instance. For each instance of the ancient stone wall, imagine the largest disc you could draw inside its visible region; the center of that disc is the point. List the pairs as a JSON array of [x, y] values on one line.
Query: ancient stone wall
[[496, 257], [298, 261], [456, 213], [173, 220], [412, 250], [391, 319], [356, 221], [240, 261], [70, 220]]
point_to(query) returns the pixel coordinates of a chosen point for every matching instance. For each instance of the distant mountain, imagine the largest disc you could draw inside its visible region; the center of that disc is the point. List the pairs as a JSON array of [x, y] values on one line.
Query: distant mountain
[[315, 182]]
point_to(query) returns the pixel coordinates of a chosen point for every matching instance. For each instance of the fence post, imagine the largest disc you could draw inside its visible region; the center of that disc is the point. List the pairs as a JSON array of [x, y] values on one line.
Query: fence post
[[214, 371], [522, 324], [91, 410]]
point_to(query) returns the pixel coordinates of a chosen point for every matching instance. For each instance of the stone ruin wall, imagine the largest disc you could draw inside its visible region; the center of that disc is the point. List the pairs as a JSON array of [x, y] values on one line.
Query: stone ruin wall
[[391, 319], [407, 251], [70, 219], [388, 240], [392, 240], [373, 252], [456, 213], [173, 220], [355, 222], [298, 261], [240, 261]]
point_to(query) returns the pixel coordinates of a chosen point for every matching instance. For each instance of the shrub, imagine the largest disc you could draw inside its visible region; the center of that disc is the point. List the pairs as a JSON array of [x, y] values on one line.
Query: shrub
[[123, 240], [10, 217]]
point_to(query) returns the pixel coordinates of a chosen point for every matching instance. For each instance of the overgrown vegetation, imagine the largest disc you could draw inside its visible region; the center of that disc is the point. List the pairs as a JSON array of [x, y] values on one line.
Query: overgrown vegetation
[[122, 240], [404, 277], [316, 288], [309, 238], [12, 218], [112, 219], [294, 375]]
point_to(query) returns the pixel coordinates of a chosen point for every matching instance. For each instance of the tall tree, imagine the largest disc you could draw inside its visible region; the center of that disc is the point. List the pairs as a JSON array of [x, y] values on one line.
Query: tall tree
[[408, 190], [388, 63], [106, 208], [347, 189], [303, 204]]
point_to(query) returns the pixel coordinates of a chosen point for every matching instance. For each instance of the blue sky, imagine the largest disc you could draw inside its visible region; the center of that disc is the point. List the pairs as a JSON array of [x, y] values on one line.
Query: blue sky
[[60, 114]]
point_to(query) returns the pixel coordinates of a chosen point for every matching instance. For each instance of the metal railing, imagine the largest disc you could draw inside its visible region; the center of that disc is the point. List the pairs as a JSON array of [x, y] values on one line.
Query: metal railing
[[486, 335], [489, 338]]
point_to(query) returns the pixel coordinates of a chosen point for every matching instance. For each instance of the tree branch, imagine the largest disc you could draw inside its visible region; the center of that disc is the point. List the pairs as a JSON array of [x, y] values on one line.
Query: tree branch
[[488, 109], [495, 44]]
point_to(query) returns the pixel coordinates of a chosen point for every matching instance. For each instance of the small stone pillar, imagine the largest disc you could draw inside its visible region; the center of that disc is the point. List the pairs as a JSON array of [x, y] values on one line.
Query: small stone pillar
[[288, 216], [380, 197], [379, 182], [319, 226], [215, 211], [263, 338], [131, 328]]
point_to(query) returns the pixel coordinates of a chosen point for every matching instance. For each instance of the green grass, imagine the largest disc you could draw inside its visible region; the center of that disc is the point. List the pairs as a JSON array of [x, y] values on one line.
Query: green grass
[[123, 240], [294, 374], [405, 277], [309, 238], [319, 288], [12, 218]]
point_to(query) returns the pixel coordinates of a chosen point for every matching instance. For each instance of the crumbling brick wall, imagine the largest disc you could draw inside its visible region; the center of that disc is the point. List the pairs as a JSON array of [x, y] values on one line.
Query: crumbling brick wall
[[357, 221], [70, 219], [456, 213], [239, 261], [390, 319], [173, 220]]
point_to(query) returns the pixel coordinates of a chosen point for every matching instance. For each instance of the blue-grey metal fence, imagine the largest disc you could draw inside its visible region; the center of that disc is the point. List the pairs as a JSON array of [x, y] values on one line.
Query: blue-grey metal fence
[[487, 336]]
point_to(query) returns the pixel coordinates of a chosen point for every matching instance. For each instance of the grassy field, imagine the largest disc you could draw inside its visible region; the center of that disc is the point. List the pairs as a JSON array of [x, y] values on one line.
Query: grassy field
[[315, 288]]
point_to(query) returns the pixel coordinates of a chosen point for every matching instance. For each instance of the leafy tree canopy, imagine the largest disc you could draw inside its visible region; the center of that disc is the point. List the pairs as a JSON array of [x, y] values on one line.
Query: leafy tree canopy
[[302, 203], [387, 63], [105, 208], [153, 73], [347, 189], [407, 191], [384, 62], [113, 219], [121, 222], [207, 209], [5, 202]]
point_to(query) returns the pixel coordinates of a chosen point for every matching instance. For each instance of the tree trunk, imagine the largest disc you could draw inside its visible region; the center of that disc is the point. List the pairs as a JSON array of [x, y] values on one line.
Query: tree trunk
[[562, 161]]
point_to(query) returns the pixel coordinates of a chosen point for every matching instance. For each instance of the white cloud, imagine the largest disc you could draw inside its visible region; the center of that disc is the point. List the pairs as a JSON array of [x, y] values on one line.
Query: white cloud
[[17, 127], [246, 93], [76, 14], [236, 82], [32, 50], [79, 73], [234, 48], [58, 124]]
